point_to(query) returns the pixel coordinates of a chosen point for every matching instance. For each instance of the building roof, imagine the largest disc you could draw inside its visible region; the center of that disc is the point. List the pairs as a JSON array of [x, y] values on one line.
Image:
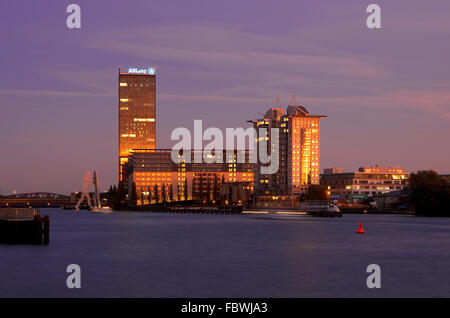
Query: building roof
[[274, 113], [297, 111], [277, 113]]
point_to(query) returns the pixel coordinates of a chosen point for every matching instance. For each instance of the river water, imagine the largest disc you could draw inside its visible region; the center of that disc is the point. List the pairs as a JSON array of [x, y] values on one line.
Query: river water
[[161, 255]]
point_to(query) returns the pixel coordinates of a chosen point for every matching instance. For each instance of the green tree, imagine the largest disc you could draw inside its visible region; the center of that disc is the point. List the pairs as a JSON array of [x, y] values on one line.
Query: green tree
[[133, 199], [163, 193], [111, 195], [116, 196], [170, 193], [199, 195], [155, 193], [429, 194], [142, 196], [185, 190], [208, 191], [149, 195], [216, 188]]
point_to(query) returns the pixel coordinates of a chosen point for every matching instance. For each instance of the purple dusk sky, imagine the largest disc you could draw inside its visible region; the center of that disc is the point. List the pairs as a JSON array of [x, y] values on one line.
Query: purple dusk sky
[[386, 92]]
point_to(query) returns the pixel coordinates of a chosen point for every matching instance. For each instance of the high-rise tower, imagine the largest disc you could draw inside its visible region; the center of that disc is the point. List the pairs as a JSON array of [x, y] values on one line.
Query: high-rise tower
[[137, 113], [299, 151]]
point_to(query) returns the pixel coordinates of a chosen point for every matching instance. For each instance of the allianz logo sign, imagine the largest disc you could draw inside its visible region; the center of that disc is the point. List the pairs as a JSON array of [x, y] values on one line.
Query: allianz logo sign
[[150, 71]]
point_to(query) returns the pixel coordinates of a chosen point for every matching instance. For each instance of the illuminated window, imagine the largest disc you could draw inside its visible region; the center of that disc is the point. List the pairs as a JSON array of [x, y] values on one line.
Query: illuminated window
[[144, 119], [123, 84]]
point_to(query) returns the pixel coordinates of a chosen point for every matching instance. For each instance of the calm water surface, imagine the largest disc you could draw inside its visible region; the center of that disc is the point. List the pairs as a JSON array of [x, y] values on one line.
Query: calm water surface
[[160, 255]]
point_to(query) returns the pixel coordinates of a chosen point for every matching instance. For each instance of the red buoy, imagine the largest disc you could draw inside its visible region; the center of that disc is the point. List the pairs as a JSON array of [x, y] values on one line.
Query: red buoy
[[360, 230]]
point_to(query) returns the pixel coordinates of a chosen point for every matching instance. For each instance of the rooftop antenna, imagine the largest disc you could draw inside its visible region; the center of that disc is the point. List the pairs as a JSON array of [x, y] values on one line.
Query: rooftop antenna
[[277, 102], [293, 102]]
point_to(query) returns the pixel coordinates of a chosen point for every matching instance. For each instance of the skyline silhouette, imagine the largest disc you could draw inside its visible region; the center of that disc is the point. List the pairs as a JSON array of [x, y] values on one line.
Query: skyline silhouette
[[386, 92]]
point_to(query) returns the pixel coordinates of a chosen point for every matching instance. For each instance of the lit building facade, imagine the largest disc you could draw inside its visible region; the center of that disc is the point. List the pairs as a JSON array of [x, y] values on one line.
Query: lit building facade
[[299, 152], [366, 182], [137, 114], [157, 178]]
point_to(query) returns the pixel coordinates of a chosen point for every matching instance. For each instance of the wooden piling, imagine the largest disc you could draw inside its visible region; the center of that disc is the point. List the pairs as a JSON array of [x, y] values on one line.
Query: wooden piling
[[46, 230], [38, 229]]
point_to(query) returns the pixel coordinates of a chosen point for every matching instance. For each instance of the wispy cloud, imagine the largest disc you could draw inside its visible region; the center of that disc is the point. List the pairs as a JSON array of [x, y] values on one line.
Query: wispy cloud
[[435, 102], [95, 80], [220, 48], [50, 93]]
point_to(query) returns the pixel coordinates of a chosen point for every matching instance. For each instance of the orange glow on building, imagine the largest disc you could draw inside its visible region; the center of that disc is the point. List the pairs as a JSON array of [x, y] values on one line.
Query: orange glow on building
[[157, 178], [303, 144], [299, 152], [137, 115], [367, 181]]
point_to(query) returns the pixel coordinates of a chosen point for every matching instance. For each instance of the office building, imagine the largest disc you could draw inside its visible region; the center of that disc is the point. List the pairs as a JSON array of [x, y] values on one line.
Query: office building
[[366, 182], [157, 178], [299, 153], [137, 113]]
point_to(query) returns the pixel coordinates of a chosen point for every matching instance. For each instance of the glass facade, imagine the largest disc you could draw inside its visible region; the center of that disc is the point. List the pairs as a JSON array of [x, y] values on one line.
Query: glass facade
[[369, 181], [137, 115], [157, 178], [299, 151]]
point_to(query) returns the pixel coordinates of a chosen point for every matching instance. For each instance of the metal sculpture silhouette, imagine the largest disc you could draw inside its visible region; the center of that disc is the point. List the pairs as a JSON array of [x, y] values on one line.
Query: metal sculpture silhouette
[[87, 180]]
